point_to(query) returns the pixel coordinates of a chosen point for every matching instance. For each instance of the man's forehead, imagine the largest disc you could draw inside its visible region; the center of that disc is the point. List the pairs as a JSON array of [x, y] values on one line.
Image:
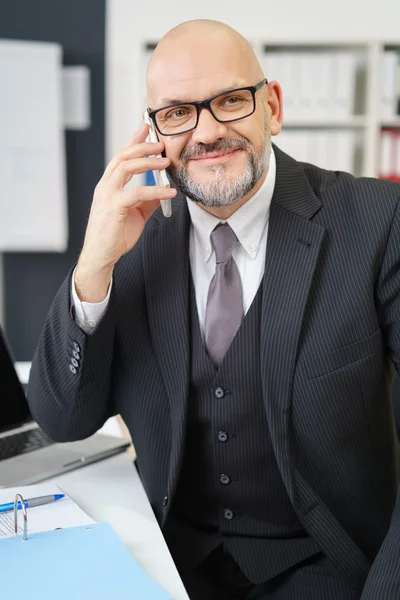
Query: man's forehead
[[188, 81], [197, 71]]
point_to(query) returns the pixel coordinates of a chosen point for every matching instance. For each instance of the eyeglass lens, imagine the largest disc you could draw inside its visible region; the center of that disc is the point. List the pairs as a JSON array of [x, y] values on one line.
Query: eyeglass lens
[[226, 107]]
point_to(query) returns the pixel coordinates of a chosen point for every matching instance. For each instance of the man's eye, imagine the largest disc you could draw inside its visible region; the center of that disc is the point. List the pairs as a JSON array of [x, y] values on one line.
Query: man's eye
[[178, 113], [232, 100]]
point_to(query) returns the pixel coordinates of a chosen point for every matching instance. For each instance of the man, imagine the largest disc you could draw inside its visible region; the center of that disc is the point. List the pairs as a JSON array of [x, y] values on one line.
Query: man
[[246, 341]]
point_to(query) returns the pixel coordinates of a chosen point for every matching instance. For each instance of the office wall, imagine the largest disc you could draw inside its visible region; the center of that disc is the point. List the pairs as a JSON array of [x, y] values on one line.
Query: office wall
[[31, 280]]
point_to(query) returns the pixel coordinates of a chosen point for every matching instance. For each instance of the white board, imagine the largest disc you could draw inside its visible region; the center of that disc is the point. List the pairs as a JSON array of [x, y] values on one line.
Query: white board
[[33, 194]]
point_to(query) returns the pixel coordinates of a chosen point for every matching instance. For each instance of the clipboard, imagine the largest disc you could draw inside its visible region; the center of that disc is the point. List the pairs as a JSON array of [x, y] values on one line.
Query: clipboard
[[78, 562]]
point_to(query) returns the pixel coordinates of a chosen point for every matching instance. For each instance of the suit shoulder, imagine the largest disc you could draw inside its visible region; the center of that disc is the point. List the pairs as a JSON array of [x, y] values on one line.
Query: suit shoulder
[[369, 193]]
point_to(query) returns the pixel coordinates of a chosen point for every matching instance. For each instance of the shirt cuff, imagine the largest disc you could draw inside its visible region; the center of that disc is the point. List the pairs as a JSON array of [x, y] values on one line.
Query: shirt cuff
[[88, 314]]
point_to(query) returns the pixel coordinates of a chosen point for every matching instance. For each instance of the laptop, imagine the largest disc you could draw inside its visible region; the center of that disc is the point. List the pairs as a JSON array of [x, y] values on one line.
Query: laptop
[[27, 454]]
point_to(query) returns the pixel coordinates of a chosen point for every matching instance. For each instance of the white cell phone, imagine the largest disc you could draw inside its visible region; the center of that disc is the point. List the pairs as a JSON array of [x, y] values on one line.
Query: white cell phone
[[160, 177]]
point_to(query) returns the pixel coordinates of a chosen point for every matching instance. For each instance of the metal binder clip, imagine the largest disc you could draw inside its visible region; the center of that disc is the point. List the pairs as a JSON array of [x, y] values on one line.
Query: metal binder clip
[[24, 512]]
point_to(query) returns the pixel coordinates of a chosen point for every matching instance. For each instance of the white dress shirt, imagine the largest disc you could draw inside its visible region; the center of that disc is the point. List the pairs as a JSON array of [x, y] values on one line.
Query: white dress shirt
[[250, 224]]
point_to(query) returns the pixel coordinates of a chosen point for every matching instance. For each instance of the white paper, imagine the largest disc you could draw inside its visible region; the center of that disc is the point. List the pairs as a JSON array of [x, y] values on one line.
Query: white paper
[[59, 514], [33, 196]]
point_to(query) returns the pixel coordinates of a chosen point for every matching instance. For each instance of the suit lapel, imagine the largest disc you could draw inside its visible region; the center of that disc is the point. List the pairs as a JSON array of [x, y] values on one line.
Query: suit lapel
[[166, 272], [292, 251]]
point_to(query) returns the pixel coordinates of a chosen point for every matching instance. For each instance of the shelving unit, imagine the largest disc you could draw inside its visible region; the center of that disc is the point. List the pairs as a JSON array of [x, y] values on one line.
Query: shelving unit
[[366, 122], [391, 123]]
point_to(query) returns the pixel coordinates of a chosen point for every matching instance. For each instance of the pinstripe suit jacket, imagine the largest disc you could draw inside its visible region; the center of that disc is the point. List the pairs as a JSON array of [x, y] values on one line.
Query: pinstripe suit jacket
[[330, 331]]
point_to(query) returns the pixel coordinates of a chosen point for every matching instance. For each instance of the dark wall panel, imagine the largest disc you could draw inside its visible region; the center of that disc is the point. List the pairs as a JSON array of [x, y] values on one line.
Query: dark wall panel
[[32, 279]]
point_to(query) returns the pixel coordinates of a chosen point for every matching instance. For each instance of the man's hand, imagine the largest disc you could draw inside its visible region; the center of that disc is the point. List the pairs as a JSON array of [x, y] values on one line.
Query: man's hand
[[118, 216]]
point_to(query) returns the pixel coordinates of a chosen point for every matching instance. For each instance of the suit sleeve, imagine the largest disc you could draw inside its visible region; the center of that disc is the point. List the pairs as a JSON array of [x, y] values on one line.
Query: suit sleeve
[[88, 314], [69, 384], [388, 291]]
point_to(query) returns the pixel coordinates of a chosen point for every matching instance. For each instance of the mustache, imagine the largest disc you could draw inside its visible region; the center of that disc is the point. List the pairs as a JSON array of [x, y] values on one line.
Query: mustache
[[222, 145]]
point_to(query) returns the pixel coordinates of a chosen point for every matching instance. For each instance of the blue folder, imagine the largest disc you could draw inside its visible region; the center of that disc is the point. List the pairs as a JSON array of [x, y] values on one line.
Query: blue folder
[[78, 563]]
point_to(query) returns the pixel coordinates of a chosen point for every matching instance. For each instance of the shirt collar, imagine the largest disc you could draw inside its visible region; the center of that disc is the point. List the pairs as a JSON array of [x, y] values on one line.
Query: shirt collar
[[248, 222]]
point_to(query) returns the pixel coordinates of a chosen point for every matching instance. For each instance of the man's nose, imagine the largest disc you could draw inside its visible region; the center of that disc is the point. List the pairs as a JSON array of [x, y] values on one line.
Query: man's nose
[[208, 129]]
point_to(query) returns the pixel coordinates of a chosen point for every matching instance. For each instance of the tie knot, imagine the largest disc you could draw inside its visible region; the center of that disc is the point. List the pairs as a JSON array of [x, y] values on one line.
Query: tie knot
[[223, 239]]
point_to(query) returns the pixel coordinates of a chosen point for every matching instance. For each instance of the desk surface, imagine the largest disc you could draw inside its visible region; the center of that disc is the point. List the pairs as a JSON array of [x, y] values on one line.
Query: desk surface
[[111, 490]]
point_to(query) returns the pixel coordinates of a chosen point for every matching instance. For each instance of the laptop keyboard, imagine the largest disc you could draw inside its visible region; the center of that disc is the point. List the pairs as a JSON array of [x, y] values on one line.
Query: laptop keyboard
[[26, 441]]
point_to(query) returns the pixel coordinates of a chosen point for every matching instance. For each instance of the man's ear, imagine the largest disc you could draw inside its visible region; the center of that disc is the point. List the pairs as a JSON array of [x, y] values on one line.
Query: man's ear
[[274, 103]]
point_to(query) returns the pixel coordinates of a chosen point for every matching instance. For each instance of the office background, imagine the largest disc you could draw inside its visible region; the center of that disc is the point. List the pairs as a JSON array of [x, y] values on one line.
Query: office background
[[30, 280], [109, 36]]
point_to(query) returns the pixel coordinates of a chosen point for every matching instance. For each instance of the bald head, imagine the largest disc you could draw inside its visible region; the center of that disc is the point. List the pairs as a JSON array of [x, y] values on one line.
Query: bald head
[[200, 56], [221, 158]]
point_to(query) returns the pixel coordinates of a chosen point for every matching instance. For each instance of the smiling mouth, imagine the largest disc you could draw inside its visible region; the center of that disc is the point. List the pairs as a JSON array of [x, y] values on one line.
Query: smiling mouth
[[214, 157]]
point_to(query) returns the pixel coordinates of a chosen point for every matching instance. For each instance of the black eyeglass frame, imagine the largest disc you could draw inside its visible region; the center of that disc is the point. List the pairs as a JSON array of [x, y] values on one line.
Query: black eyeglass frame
[[207, 104]]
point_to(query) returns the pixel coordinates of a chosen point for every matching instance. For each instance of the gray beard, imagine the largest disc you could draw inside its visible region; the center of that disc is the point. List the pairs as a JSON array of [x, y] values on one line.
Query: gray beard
[[221, 190]]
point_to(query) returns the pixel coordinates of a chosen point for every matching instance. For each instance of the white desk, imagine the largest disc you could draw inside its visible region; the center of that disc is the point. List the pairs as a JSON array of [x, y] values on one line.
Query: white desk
[[111, 490]]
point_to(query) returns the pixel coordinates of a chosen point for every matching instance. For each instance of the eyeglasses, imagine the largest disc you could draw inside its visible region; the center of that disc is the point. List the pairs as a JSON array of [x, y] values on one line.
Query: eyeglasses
[[229, 106]]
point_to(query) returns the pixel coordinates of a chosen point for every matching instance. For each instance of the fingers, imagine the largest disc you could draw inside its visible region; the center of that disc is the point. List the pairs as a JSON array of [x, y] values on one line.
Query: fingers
[[141, 150], [136, 147], [127, 168], [131, 198]]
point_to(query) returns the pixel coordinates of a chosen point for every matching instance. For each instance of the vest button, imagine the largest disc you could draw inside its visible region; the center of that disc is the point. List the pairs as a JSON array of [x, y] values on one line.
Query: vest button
[[225, 479], [165, 501], [219, 392], [223, 436], [228, 514]]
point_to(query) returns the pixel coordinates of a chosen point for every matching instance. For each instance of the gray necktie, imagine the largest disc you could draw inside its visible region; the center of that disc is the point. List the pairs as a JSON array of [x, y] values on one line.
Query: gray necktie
[[224, 311]]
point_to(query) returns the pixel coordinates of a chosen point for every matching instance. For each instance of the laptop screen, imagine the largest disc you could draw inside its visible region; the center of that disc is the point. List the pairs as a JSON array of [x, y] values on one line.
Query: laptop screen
[[14, 410]]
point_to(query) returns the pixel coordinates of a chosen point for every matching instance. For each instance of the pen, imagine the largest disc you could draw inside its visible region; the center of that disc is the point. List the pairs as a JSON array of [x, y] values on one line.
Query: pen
[[31, 502]]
